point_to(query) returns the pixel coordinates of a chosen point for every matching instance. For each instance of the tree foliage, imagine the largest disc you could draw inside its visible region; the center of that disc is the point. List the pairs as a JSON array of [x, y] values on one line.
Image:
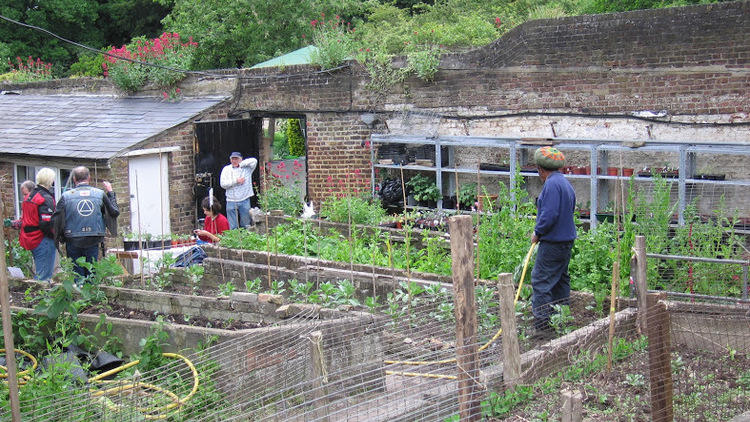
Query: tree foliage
[[96, 23], [246, 32]]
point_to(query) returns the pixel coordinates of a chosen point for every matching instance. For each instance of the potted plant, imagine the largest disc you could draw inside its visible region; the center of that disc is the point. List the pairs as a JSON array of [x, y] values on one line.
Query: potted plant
[[424, 190], [708, 173], [131, 242], [467, 195], [607, 214]]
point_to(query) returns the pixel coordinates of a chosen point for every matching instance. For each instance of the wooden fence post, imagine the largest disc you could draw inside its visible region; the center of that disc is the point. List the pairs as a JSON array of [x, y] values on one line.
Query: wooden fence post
[[659, 358], [511, 351], [319, 376], [10, 355], [572, 406], [641, 286], [467, 356]]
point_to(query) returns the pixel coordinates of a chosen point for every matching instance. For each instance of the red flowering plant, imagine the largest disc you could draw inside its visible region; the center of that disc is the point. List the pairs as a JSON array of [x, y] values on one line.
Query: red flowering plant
[[28, 70], [334, 40], [166, 51], [281, 190]]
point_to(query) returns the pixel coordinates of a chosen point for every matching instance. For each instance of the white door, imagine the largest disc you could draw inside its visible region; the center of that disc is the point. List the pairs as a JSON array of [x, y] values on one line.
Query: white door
[[149, 194]]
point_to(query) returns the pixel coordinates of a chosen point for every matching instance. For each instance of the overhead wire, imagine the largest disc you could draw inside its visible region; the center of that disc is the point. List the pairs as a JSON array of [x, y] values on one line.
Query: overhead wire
[[173, 69]]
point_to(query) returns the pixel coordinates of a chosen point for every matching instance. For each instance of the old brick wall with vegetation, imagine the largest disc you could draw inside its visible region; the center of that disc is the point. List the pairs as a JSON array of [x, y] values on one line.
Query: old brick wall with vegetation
[[692, 62]]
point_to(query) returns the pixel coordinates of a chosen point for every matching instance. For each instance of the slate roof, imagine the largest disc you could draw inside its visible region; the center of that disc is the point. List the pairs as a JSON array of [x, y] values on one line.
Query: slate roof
[[90, 127]]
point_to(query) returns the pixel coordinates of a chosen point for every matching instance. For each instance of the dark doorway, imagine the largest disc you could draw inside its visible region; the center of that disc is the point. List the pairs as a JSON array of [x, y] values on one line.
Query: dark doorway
[[215, 140]]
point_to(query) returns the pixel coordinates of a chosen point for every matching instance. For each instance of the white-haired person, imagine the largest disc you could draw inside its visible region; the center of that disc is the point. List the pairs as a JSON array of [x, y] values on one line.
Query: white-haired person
[[36, 224]]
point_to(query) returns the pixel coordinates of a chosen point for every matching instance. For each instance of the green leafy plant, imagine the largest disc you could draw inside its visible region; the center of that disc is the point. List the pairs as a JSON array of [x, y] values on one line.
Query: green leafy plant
[[334, 40], [254, 286], [360, 210], [277, 287], [195, 275], [423, 189], [467, 194], [226, 289], [423, 62], [562, 319], [17, 256], [277, 196], [88, 65], [151, 347], [162, 277]]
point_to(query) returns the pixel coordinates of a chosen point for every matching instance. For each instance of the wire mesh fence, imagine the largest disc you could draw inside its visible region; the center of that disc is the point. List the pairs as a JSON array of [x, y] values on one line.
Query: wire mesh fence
[[682, 354]]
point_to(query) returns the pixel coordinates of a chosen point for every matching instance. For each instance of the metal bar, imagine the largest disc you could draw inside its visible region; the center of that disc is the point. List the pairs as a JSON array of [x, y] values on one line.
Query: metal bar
[[699, 296], [732, 147], [594, 189], [681, 192], [699, 259], [438, 172], [744, 282]]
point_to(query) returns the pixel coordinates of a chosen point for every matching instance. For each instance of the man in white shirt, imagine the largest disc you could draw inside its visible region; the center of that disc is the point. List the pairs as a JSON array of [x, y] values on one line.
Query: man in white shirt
[[237, 179]]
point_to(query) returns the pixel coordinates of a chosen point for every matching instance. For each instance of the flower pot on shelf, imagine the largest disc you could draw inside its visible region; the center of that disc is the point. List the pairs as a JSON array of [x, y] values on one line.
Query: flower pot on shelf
[[132, 245], [579, 170], [613, 171], [627, 171], [644, 173], [706, 176], [670, 173], [494, 167]]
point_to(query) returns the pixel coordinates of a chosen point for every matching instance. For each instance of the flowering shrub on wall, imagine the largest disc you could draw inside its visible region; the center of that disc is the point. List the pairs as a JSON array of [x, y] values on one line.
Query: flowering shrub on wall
[[334, 40], [28, 70], [167, 51]]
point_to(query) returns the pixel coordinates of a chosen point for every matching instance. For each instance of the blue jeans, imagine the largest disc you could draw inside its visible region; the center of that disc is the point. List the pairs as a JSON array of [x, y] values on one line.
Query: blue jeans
[[44, 259], [243, 209], [74, 252], [550, 280]]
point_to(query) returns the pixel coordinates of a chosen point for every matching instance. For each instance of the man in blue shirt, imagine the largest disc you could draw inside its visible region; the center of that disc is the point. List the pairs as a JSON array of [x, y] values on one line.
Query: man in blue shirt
[[555, 232]]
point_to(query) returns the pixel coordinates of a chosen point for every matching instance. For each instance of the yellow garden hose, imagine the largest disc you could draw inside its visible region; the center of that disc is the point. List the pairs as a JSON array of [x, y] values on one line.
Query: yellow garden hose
[[153, 413], [483, 347], [24, 373], [176, 401]]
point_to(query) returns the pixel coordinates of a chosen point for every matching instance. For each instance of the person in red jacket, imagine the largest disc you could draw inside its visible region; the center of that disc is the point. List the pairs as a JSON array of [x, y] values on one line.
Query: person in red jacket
[[26, 187], [36, 224], [215, 222]]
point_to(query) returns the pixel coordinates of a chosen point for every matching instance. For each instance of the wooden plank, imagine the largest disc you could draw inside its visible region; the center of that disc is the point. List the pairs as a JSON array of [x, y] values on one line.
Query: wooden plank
[[660, 358], [319, 377], [467, 356], [511, 349], [641, 286], [15, 408]]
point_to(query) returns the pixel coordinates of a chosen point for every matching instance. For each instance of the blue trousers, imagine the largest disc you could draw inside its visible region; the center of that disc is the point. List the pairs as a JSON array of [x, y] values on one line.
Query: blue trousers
[[238, 214], [74, 252], [550, 280], [44, 259]]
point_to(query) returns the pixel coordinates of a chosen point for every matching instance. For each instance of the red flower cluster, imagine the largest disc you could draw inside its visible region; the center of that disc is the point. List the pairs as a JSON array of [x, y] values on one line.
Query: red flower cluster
[[153, 50], [498, 22], [30, 65]]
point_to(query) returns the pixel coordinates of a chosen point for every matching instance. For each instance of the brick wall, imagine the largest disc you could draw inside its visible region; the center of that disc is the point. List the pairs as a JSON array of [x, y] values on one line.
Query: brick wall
[[712, 35], [691, 62], [181, 177]]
